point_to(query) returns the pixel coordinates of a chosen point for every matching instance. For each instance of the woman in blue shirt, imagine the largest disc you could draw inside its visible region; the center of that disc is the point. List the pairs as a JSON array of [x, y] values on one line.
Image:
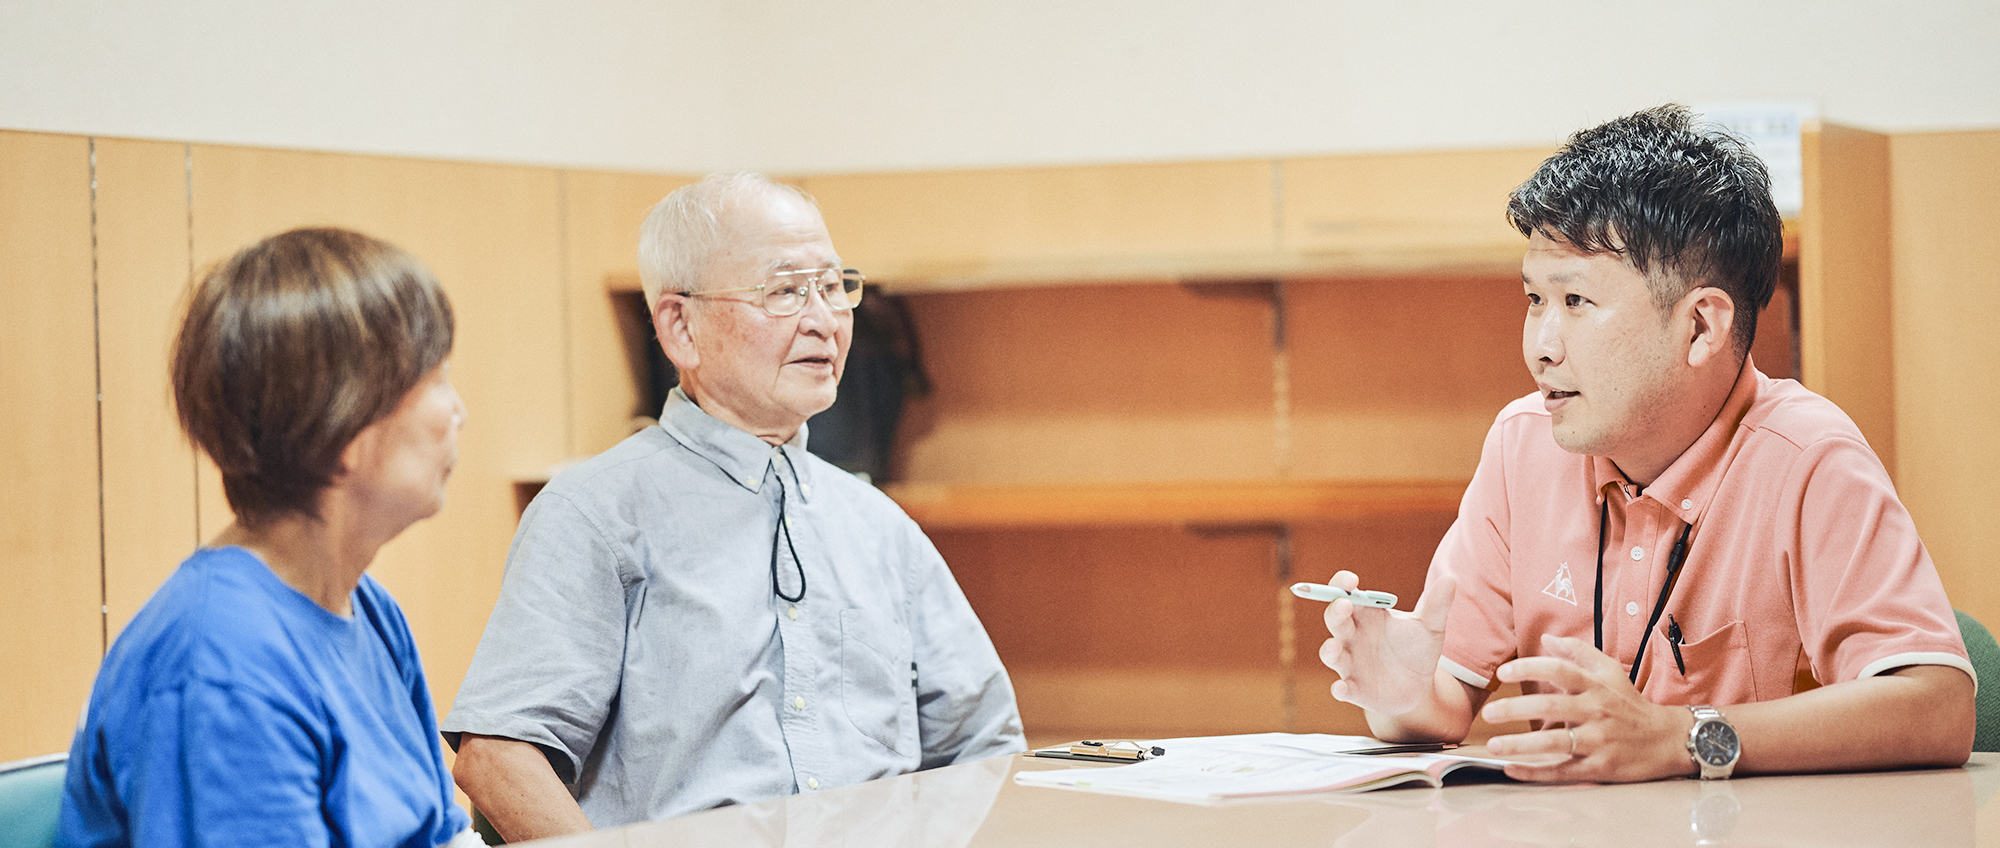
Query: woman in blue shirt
[[269, 692]]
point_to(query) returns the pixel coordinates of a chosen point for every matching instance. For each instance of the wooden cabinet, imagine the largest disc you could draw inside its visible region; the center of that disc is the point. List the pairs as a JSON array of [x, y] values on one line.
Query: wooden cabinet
[[1126, 477]]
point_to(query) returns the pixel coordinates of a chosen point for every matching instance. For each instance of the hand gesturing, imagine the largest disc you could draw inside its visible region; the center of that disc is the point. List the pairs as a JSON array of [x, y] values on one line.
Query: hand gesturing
[[1387, 660], [1595, 724]]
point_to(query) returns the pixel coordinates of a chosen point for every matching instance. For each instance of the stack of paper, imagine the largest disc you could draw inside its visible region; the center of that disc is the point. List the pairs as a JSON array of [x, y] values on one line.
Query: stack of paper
[[1213, 768]]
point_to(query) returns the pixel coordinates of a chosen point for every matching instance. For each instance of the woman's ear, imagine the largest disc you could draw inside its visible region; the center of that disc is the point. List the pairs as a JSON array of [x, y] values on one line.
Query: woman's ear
[[1712, 315], [360, 451]]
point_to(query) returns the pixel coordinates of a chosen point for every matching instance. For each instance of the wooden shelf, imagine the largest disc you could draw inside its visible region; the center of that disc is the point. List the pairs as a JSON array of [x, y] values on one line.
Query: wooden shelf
[[939, 506], [919, 278], [1367, 215], [1443, 257]]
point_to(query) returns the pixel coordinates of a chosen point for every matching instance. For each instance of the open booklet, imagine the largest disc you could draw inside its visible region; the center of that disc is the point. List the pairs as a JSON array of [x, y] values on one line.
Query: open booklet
[[1214, 768]]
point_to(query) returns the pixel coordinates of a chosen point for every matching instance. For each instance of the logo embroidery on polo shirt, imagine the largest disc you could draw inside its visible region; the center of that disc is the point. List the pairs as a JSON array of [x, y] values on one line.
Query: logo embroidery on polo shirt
[[1562, 588]]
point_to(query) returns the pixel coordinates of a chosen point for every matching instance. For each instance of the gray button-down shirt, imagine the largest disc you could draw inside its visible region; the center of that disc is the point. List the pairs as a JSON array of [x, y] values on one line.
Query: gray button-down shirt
[[640, 641]]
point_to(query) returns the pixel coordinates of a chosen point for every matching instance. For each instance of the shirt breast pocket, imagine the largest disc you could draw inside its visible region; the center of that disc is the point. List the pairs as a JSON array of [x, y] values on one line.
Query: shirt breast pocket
[[875, 688], [1713, 668]]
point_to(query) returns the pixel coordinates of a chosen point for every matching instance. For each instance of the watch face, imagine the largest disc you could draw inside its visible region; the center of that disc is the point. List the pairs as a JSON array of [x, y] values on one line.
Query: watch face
[[1715, 743]]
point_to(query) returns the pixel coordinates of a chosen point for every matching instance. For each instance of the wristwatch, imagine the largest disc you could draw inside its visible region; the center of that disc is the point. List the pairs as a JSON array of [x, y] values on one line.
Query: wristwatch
[[1712, 743]]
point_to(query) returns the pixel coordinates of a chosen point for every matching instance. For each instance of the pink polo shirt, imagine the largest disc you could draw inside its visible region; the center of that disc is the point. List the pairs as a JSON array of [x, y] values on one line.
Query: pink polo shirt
[[1801, 560]]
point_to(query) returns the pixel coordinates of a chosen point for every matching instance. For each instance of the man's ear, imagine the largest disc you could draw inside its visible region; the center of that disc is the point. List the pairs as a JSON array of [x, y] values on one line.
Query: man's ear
[[671, 324], [1712, 316]]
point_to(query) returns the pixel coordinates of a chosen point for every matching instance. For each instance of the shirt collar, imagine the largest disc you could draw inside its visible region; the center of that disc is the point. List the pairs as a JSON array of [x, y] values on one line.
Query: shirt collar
[[743, 457], [1689, 484]]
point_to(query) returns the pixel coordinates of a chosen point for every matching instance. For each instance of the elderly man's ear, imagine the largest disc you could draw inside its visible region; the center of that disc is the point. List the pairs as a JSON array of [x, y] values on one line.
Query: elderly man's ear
[[670, 322]]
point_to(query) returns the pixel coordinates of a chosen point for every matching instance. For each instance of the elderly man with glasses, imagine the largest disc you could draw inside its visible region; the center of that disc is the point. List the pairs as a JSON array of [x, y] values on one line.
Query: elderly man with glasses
[[706, 614]]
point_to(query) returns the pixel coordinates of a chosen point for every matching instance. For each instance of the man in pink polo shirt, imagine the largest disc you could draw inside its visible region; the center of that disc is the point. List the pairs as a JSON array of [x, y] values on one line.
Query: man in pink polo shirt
[[1690, 567]]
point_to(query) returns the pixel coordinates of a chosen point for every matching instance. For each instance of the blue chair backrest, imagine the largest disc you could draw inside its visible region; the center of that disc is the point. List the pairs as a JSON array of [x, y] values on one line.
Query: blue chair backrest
[[30, 797]]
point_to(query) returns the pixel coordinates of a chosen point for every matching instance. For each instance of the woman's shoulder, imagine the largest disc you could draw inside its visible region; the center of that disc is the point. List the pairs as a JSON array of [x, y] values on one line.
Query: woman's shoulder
[[222, 617], [374, 605]]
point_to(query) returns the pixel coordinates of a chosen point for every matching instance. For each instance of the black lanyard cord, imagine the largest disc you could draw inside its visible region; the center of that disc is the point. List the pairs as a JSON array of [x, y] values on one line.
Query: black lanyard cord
[[785, 530], [1674, 562], [1597, 587]]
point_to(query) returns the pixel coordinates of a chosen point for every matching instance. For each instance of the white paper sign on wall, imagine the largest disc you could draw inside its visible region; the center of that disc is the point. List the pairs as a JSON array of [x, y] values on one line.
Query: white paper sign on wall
[[1772, 129]]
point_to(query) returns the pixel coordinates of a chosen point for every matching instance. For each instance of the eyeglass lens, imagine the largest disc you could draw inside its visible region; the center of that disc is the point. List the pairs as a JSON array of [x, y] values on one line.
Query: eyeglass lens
[[789, 290]]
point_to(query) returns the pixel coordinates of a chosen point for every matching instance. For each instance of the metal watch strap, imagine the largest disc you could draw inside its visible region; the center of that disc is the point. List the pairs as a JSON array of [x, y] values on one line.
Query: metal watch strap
[[1708, 715]]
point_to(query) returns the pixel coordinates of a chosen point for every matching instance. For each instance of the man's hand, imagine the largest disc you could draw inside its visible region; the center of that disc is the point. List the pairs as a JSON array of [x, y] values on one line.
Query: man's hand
[[1387, 660], [1598, 729]]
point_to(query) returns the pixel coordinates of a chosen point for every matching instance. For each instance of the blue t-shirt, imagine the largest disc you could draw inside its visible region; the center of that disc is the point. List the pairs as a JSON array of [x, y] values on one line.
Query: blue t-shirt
[[234, 710]]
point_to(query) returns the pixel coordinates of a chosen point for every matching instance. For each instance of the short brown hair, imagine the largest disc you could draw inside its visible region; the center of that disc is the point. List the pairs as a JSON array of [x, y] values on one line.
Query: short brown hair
[[293, 346], [1685, 204]]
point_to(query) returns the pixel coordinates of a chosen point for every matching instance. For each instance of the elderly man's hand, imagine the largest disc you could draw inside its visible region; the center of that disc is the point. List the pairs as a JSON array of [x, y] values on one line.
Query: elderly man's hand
[[1387, 660], [1598, 728]]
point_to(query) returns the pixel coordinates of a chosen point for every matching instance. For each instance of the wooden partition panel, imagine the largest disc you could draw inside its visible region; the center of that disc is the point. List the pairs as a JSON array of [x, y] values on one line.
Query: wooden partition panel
[[1946, 198], [51, 618], [1110, 221], [601, 218], [1400, 378], [1130, 631], [149, 467], [1846, 345], [490, 233], [1390, 211], [1103, 383]]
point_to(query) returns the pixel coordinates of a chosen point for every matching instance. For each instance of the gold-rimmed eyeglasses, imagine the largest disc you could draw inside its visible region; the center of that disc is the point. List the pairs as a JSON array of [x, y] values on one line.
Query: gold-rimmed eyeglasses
[[788, 291]]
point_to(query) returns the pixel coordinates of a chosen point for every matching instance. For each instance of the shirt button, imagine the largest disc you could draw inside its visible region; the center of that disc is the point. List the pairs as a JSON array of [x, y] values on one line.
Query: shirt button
[[1638, 553], [806, 488], [1631, 607], [1687, 503], [792, 613], [799, 701], [812, 783]]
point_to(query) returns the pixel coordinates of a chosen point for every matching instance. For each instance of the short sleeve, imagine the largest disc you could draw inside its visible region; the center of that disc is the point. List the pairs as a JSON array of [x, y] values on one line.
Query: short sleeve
[[1869, 598], [965, 702], [225, 765], [548, 666]]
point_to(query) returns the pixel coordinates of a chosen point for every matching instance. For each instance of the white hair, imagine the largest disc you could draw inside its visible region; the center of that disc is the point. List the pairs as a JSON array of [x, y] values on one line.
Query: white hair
[[685, 229]]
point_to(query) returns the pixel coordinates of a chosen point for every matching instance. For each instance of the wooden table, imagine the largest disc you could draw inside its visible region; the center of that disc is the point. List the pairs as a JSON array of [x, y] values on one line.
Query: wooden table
[[978, 804]]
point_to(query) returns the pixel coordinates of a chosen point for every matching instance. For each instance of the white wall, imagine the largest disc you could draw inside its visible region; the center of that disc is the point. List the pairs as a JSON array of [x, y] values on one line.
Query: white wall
[[798, 86]]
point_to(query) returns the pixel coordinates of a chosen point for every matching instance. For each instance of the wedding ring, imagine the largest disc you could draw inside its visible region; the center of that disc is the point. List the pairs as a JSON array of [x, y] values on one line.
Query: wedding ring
[[1572, 740]]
